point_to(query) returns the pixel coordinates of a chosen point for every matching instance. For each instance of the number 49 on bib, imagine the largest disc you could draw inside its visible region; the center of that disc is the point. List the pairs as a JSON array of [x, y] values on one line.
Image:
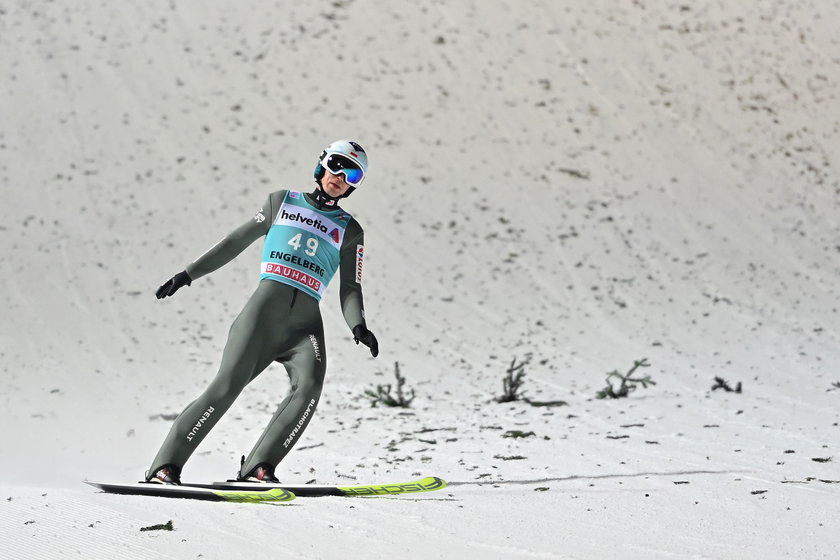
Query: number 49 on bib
[[311, 244]]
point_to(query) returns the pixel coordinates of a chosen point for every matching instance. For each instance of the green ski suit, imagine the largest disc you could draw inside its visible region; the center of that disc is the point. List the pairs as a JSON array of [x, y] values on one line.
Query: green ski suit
[[280, 322]]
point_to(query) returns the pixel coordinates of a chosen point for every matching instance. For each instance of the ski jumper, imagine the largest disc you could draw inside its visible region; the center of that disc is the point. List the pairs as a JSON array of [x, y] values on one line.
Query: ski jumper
[[304, 247]]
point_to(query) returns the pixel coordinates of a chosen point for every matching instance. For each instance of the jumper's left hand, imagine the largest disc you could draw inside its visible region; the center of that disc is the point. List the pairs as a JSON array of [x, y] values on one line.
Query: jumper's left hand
[[363, 335]]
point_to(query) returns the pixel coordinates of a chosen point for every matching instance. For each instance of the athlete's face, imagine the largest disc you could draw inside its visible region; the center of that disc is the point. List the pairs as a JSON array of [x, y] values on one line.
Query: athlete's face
[[334, 185]]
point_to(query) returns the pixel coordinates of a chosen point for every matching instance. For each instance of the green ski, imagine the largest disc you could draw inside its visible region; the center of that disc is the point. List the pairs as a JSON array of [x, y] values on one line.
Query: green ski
[[428, 484], [275, 494]]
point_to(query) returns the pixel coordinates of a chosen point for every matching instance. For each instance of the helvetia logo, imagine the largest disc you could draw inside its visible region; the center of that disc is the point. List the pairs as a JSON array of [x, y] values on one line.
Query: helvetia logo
[[336, 235], [301, 218], [260, 217]]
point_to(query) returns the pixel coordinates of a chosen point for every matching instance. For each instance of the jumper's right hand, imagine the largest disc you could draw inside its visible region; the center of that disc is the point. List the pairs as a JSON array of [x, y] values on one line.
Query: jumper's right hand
[[172, 285]]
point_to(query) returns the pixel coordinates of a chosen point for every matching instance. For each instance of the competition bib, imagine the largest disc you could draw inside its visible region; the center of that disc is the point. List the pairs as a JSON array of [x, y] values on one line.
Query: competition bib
[[302, 248]]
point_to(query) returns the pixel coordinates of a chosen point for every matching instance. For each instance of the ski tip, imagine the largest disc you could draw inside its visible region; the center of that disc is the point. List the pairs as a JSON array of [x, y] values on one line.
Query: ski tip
[[427, 484], [430, 483], [435, 483]]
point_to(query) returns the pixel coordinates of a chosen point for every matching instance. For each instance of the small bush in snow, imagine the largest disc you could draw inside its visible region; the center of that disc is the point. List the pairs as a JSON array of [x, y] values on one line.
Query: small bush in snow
[[516, 434], [383, 393], [161, 527], [513, 382], [626, 383], [720, 383]]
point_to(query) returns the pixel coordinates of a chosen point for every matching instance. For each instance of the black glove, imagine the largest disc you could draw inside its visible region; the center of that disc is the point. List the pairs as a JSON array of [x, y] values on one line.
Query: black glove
[[172, 285], [361, 334]]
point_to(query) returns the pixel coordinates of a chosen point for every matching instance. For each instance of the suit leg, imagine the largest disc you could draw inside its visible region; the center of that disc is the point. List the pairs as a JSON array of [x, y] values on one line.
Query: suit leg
[[306, 365], [249, 350]]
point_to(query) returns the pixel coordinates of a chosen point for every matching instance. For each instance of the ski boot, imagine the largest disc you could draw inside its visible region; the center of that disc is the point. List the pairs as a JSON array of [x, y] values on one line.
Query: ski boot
[[261, 473], [167, 474]]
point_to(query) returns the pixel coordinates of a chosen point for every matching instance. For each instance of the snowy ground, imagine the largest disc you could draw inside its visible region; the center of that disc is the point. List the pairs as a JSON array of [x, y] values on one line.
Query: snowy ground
[[587, 184]]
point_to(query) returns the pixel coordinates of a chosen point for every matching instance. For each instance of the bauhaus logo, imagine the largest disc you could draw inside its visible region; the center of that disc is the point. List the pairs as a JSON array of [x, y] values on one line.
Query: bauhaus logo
[[292, 274]]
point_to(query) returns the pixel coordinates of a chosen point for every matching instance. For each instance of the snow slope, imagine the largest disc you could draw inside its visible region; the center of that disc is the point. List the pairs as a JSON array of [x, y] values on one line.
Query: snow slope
[[584, 184]]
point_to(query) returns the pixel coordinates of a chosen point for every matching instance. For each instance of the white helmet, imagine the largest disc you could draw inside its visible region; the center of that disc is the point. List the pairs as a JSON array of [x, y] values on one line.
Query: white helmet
[[345, 157]]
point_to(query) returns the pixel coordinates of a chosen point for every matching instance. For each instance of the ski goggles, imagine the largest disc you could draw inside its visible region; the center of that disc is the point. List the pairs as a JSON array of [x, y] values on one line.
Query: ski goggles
[[337, 163]]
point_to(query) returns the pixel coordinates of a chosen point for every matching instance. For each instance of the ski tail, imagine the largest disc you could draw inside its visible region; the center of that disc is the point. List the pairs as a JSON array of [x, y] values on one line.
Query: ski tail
[[252, 495]]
